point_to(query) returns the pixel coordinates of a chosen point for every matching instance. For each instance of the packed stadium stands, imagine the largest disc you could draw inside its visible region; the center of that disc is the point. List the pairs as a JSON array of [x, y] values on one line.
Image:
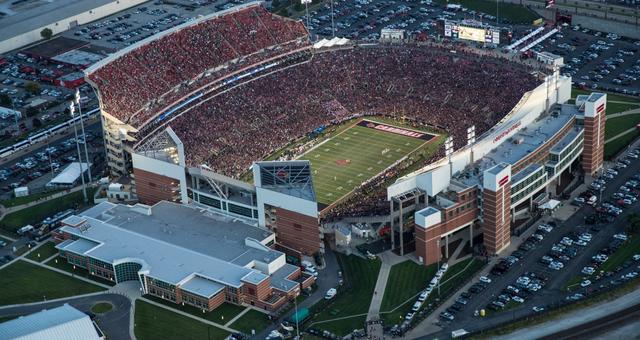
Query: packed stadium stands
[[164, 69], [432, 86]]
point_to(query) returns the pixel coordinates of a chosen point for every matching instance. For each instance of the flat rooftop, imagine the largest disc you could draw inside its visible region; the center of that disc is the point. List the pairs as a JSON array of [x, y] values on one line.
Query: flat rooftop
[[209, 233], [33, 14], [174, 242], [519, 145]]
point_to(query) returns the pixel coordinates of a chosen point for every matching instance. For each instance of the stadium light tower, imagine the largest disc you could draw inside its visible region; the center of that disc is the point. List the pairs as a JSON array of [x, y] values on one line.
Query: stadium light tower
[[448, 151], [471, 135], [84, 136], [72, 109], [306, 9], [333, 26]]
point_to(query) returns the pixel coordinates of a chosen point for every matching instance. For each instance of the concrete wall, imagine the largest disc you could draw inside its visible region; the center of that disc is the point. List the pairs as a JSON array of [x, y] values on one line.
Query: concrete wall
[[67, 23]]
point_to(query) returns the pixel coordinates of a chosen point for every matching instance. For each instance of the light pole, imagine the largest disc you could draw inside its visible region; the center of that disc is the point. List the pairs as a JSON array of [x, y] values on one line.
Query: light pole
[[84, 136], [306, 9], [72, 109], [295, 304], [333, 26]]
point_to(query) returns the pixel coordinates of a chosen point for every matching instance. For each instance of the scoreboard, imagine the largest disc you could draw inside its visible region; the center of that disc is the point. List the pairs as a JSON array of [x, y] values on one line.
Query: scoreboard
[[487, 34]]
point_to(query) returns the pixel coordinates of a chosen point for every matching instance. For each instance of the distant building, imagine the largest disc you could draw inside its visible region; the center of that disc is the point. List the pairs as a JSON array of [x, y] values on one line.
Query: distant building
[[61, 323]]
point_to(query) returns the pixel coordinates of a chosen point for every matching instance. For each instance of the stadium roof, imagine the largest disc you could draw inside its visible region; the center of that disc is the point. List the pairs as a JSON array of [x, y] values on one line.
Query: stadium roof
[[61, 323], [174, 242], [529, 138]]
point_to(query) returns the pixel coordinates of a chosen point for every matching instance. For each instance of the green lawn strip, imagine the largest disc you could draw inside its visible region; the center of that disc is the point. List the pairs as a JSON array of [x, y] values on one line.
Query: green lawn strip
[[45, 251], [27, 199], [152, 322], [446, 287], [559, 312], [615, 126], [353, 298], [101, 307], [343, 327], [613, 147], [221, 315], [251, 320], [8, 318], [623, 254], [62, 264], [406, 280], [512, 13], [610, 96], [37, 213], [613, 108], [24, 282]]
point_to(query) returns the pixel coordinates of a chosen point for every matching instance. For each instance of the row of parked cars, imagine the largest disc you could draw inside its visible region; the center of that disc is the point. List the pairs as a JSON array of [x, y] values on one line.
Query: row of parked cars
[[425, 293], [518, 291]]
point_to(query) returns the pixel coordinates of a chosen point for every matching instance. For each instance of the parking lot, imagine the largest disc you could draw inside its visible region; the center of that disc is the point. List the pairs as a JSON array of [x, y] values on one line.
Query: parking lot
[[36, 168], [557, 263]]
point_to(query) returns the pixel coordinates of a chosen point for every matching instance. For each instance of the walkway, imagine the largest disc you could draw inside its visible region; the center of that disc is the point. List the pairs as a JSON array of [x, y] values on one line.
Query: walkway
[[5, 211]]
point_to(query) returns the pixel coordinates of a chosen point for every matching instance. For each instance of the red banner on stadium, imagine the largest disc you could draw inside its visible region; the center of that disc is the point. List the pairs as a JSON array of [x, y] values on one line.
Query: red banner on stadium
[[396, 130]]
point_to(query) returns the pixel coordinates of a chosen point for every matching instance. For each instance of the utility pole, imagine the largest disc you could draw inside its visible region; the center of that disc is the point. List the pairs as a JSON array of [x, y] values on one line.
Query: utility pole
[[333, 26], [84, 136], [72, 109]]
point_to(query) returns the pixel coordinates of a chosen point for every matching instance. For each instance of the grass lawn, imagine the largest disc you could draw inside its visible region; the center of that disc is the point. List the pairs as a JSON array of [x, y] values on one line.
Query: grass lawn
[[152, 322], [37, 213], [353, 156], [101, 307], [620, 107], [251, 320], [623, 254], [24, 282], [220, 315], [45, 251], [67, 267], [23, 200], [446, 286], [617, 145], [512, 13], [618, 125], [610, 96], [406, 280], [360, 279]]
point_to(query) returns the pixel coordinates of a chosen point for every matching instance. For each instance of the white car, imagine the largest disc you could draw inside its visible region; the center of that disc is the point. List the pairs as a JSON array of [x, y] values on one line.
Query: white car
[[538, 309], [517, 299], [636, 257], [588, 270], [409, 316], [585, 283], [484, 279], [444, 267], [416, 306], [423, 296], [622, 237], [330, 294]]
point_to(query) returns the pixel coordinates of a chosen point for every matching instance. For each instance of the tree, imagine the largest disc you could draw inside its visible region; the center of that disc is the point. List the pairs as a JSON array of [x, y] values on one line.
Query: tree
[[298, 6], [5, 100], [31, 111], [283, 12], [275, 3], [36, 123], [32, 87], [46, 33]]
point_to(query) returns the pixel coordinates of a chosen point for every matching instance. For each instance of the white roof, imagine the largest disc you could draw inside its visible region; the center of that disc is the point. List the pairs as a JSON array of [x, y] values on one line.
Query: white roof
[[329, 43], [70, 174], [550, 205], [63, 323]]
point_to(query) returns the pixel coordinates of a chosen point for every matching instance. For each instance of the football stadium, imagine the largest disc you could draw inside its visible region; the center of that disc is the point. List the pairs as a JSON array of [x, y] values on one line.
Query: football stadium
[[242, 113]]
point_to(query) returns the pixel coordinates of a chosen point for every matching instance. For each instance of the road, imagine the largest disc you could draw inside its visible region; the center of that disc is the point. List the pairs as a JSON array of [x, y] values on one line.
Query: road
[[599, 326], [554, 291], [115, 323]]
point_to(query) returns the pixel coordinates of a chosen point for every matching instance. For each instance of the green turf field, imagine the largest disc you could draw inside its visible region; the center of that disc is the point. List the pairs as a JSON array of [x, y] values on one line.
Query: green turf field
[[353, 156]]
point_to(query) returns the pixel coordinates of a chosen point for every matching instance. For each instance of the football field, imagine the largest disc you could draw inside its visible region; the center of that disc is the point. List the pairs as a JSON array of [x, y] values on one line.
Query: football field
[[362, 151]]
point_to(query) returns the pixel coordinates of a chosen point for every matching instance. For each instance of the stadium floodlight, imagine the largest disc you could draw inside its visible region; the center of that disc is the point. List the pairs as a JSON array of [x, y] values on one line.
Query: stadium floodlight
[[448, 146], [72, 110], [471, 135], [84, 135], [306, 9]]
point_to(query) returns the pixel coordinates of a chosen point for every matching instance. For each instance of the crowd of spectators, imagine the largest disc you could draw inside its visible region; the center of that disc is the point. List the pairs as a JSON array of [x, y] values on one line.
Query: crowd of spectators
[[429, 85], [155, 74]]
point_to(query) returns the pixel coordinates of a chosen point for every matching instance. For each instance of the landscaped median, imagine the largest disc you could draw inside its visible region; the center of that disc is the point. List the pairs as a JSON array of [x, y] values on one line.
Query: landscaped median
[[35, 214], [23, 282], [455, 276], [153, 322], [348, 309], [43, 252]]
